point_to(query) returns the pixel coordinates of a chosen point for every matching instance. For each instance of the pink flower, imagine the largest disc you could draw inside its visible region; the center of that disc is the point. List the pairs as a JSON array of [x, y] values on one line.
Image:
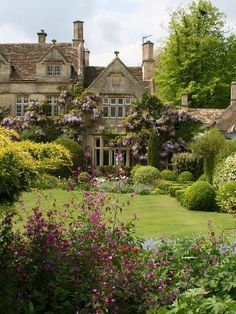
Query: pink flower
[[87, 154]]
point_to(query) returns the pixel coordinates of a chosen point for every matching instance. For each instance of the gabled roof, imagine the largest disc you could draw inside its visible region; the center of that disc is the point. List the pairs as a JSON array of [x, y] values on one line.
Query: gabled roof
[[135, 72], [50, 51], [23, 57]]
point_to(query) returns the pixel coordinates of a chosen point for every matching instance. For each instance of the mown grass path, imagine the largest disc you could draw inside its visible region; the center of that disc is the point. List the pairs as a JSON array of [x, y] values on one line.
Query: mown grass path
[[159, 215]]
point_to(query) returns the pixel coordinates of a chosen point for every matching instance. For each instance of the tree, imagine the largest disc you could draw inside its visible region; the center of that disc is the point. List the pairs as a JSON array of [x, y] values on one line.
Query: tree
[[198, 57], [208, 147], [153, 150]]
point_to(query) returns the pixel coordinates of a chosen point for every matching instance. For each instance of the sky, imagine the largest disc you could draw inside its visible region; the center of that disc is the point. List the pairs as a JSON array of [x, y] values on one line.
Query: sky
[[109, 25]]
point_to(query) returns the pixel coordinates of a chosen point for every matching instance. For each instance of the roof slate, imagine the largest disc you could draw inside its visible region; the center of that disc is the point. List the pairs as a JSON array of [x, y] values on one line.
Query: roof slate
[[23, 57], [207, 116]]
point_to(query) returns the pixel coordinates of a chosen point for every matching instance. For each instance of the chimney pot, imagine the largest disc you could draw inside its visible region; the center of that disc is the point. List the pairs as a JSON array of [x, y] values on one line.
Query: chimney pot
[[184, 100], [86, 57], [42, 37], [78, 33]]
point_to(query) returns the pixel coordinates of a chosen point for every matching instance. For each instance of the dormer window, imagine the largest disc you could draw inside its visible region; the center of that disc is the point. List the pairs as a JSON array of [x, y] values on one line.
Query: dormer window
[[53, 70]]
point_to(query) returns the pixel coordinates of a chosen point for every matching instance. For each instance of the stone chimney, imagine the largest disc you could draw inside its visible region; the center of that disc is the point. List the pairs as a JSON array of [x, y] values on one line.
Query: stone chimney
[[78, 34], [42, 37], [233, 93], [86, 57], [148, 61], [184, 101]]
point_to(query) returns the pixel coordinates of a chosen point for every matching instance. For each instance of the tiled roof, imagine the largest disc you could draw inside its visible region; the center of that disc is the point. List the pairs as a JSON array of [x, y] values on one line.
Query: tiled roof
[[23, 57], [207, 116]]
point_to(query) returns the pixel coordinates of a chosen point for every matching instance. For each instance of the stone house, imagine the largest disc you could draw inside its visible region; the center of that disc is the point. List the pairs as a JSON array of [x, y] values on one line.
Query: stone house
[[36, 71]]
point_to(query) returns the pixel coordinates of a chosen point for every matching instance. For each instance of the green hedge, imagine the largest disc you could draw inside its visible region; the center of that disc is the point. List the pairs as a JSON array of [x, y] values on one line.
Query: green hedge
[[200, 196], [168, 175], [226, 197], [185, 176]]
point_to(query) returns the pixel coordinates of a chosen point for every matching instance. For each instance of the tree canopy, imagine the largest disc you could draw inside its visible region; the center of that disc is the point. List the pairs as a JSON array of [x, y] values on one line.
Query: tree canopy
[[198, 57]]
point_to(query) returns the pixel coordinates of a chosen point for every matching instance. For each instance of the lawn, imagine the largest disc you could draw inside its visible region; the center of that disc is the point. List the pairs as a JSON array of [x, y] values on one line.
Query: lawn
[[159, 215]]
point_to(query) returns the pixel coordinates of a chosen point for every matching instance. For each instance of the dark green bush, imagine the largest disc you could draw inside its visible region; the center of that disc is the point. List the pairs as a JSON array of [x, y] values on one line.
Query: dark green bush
[[146, 175], [34, 134], [185, 176], [187, 162], [168, 175], [77, 153], [200, 196], [226, 197]]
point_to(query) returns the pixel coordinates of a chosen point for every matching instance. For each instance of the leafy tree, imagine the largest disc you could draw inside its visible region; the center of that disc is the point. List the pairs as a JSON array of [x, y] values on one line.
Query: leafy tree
[[198, 57], [208, 147]]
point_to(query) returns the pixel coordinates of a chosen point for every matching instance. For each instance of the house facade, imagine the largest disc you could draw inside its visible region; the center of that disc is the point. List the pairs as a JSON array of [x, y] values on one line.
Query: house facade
[[37, 71]]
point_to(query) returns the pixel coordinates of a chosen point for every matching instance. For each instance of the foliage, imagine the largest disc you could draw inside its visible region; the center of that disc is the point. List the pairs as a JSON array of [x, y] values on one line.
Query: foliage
[[168, 175], [208, 147], [225, 171], [153, 154], [185, 176], [202, 178], [17, 170], [146, 175], [226, 197], [200, 196], [44, 181], [187, 162], [77, 156], [9, 134], [197, 58], [134, 169], [228, 149], [34, 134], [172, 129], [46, 156], [84, 177], [94, 264]]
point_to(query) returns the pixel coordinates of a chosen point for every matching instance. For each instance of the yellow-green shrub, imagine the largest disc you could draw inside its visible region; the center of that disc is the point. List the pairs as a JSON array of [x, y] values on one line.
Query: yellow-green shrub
[[17, 170], [46, 156]]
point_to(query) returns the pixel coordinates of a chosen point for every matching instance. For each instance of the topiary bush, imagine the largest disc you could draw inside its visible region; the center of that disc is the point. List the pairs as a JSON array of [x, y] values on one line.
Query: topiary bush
[[200, 196], [202, 178], [77, 156], [168, 175], [84, 177], [134, 169], [185, 176], [225, 171], [187, 162], [226, 197], [146, 175]]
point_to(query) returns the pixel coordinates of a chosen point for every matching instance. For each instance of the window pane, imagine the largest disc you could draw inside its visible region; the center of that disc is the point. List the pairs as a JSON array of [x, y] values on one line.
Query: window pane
[[106, 157], [113, 101], [128, 101], [120, 101], [97, 142], [97, 157], [55, 110], [26, 100], [113, 112], [18, 110], [105, 101], [127, 109], [49, 70], [57, 70], [25, 108], [105, 111], [18, 100], [120, 112]]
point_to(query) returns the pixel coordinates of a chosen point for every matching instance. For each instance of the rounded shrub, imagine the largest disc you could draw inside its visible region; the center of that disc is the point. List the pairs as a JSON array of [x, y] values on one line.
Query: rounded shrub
[[77, 156], [146, 175], [200, 196], [202, 178], [185, 177], [226, 197], [45, 181], [134, 169], [168, 175], [84, 177], [225, 171]]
